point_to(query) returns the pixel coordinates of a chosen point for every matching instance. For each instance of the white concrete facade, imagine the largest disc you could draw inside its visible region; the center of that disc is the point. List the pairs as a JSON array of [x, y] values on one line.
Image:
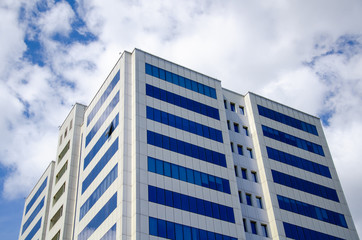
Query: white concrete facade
[[113, 185]]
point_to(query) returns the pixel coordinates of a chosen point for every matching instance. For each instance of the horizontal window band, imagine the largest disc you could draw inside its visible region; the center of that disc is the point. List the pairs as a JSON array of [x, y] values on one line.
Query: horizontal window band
[[185, 148], [292, 140], [287, 120], [184, 124], [182, 102], [180, 81], [298, 162], [188, 175]]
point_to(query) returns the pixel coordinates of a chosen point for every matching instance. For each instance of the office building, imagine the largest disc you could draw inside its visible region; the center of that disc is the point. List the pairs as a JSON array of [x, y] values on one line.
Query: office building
[[163, 151]]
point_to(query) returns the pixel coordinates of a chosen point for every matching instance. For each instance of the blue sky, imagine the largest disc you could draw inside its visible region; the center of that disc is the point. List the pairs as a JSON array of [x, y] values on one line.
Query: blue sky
[[307, 54]]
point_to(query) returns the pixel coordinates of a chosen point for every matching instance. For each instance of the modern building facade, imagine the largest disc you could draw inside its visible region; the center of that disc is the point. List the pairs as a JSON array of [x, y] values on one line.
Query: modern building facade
[[163, 151]]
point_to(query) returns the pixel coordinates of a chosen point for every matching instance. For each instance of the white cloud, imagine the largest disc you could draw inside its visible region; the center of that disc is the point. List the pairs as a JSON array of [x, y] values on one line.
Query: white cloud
[[57, 20]]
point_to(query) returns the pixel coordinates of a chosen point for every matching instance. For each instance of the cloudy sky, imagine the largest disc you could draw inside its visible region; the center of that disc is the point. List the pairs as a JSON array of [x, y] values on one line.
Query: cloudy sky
[[307, 54]]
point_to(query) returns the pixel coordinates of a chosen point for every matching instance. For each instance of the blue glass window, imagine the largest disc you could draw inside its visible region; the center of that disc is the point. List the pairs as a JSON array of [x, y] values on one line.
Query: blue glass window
[[232, 107], [305, 186], [292, 122], [34, 230], [101, 119], [236, 127], [244, 173], [311, 211], [184, 124], [182, 102], [33, 215], [100, 165], [248, 199], [175, 231], [240, 150], [98, 192], [110, 234], [190, 204], [103, 98], [301, 233], [292, 140], [298, 162], [102, 139], [180, 81], [36, 195], [186, 148], [99, 218], [189, 175], [253, 227]]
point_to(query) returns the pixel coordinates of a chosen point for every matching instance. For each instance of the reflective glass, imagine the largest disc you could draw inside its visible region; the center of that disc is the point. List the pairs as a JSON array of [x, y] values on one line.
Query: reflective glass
[[298, 162], [182, 102], [305, 186], [291, 140], [36, 195], [103, 98], [187, 149], [285, 119]]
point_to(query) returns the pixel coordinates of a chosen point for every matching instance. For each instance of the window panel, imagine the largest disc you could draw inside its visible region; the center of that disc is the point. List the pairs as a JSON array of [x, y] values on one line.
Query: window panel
[[305, 186], [36, 195], [183, 102], [102, 119], [103, 98], [186, 148], [100, 165], [297, 232], [99, 218], [285, 119], [311, 211], [191, 204], [180, 81], [298, 162], [291, 140]]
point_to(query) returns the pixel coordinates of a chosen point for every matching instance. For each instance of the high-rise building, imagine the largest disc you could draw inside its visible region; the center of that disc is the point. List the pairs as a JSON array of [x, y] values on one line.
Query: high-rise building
[[163, 151]]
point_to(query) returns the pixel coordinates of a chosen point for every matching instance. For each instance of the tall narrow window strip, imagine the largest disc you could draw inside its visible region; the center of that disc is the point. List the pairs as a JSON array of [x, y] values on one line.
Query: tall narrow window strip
[[102, 139], [180, 81], [99, 218], [298, 162], [100, 165], [103, 97], [292, 140], [182, 102], [36, 195], [184, 124], [287, 120], [102, 119], [98, 192], [185, 148], [305, 186], [195, 177]]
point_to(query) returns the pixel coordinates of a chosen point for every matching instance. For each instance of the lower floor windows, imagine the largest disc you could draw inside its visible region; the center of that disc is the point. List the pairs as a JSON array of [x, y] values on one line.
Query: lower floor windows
[[188, 175], [190, 204], [171, 230], [301, 233]]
